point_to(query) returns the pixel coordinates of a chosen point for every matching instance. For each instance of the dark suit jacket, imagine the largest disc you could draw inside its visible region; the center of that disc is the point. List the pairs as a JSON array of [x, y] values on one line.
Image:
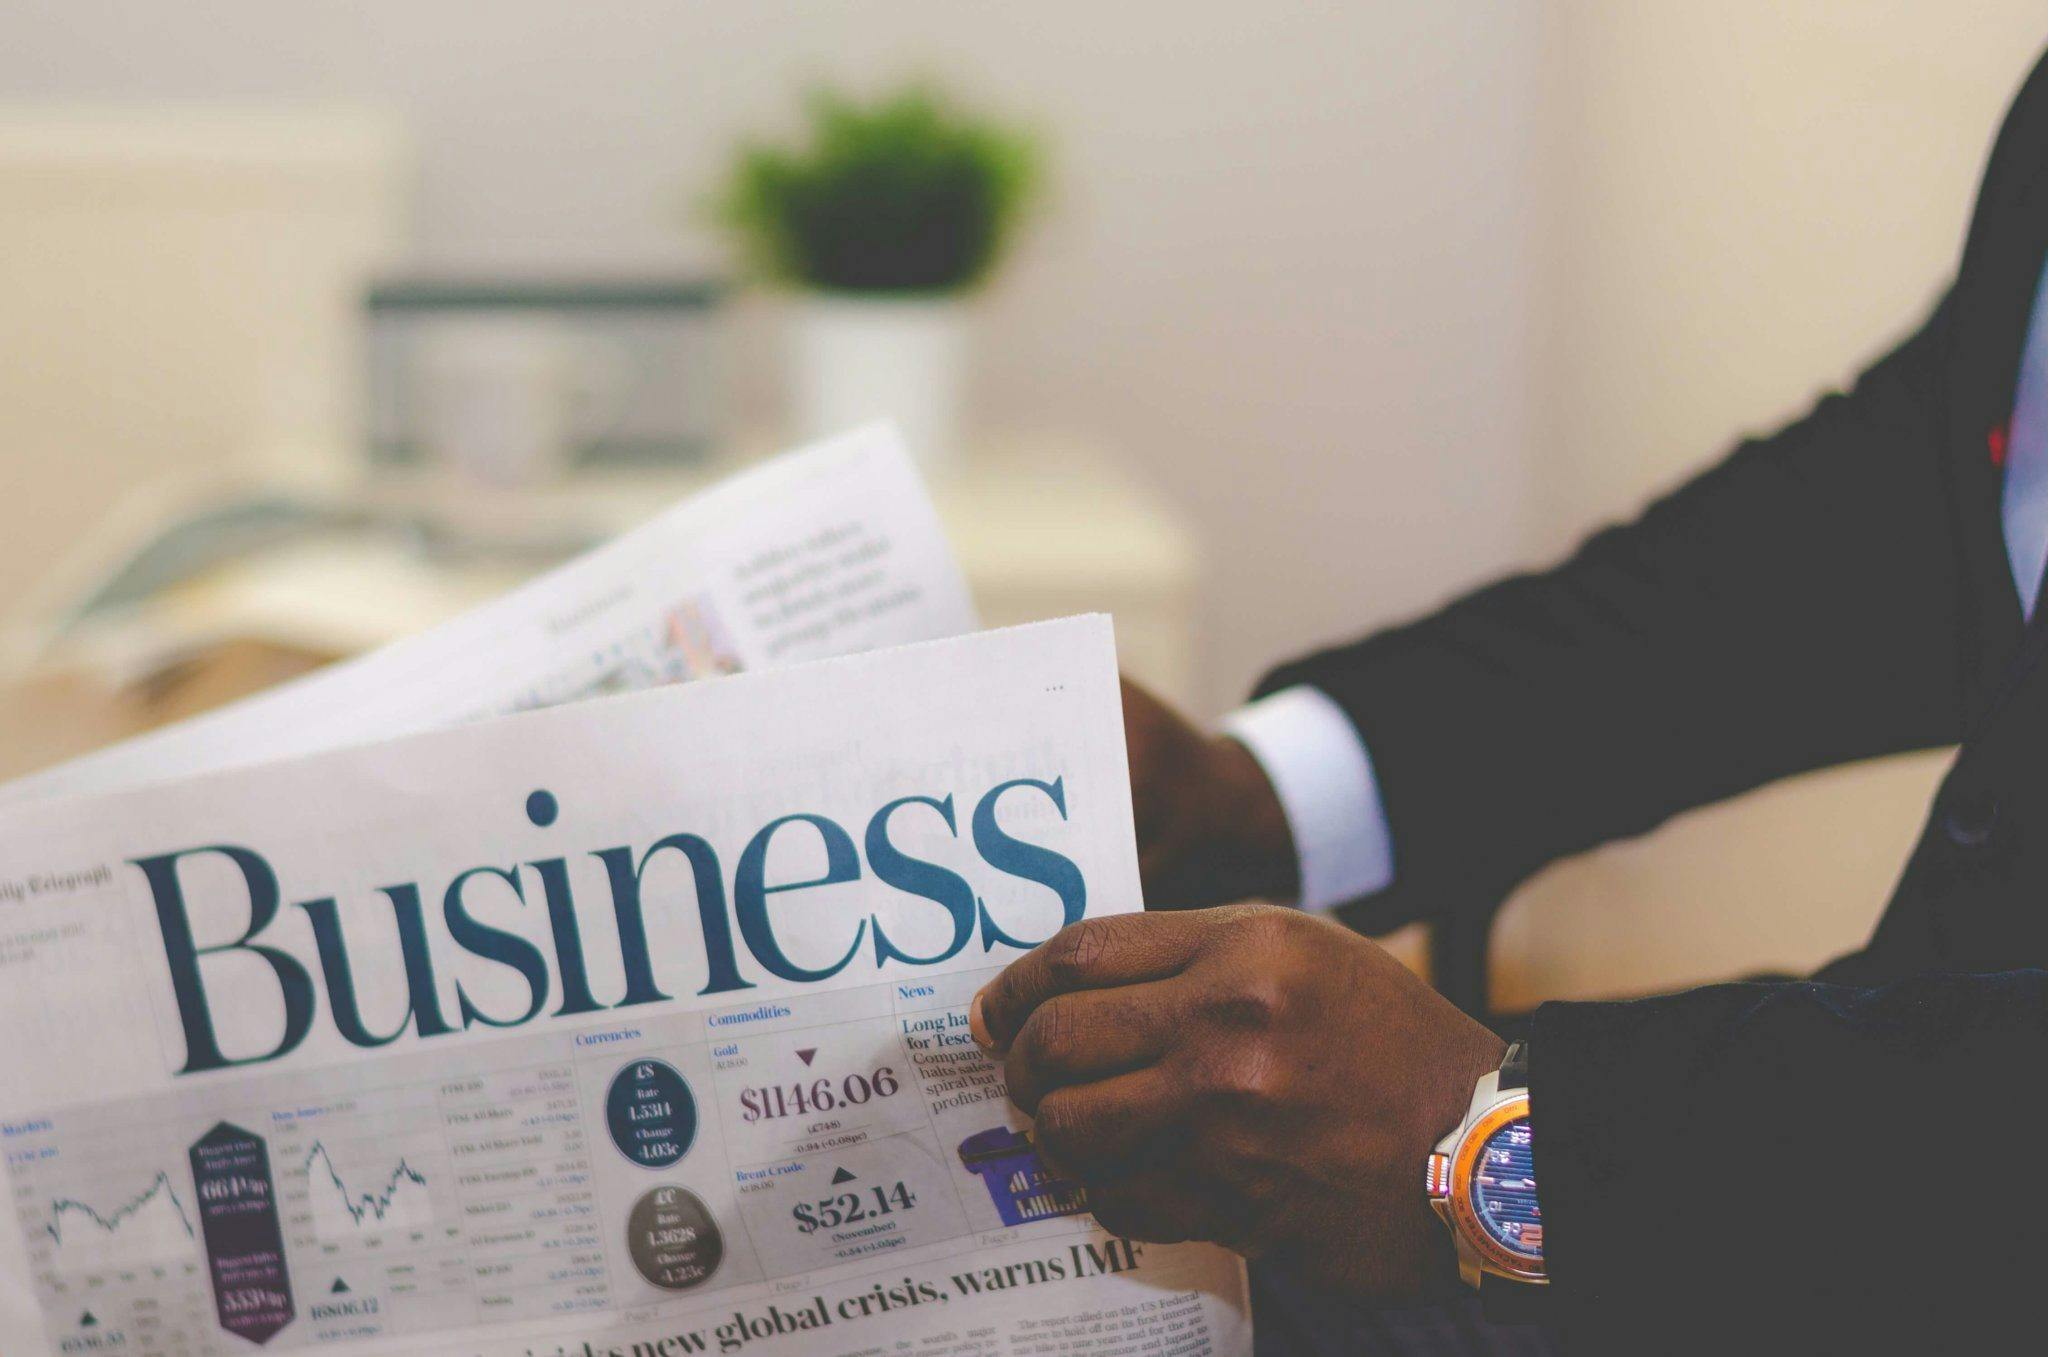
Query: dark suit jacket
[[1861, 1159]]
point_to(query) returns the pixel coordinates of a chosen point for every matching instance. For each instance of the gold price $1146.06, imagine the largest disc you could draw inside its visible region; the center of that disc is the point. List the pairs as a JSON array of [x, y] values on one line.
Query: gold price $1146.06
[[811, 1097]]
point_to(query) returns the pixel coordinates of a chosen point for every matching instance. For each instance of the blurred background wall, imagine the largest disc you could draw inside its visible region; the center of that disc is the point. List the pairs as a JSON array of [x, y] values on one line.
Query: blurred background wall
[[1386, 296], [1287, 244]]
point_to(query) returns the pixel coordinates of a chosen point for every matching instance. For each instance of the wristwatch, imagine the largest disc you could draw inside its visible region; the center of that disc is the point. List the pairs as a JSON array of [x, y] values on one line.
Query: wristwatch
[[1482, 1181]]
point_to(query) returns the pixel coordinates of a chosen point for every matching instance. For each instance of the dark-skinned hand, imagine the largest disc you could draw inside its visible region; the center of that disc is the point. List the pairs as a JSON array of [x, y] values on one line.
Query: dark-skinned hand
[[1248, 1075], [1210, 828]]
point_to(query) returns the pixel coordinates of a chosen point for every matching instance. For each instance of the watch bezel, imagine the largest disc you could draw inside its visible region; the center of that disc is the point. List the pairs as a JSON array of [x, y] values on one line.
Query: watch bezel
[[1495, 1256]]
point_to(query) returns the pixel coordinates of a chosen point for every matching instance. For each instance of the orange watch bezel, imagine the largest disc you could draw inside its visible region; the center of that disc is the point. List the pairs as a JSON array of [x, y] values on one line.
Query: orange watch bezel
[[1497, 1257]]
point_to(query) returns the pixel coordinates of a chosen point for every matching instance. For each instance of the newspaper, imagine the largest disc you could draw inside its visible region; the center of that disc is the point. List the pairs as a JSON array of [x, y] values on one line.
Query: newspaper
[[634, 1026], [823, 552]]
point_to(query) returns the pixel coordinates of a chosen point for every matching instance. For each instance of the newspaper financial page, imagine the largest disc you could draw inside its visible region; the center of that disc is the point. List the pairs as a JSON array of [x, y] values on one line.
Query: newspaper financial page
[[825, 551], [635, 1026]]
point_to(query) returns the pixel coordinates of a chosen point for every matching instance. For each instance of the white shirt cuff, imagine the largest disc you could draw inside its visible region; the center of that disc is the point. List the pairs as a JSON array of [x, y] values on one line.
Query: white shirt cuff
[[1322, 771]]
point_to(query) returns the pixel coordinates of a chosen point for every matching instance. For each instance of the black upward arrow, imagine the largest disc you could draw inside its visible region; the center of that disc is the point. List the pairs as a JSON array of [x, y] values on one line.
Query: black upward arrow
[[841, 1176]]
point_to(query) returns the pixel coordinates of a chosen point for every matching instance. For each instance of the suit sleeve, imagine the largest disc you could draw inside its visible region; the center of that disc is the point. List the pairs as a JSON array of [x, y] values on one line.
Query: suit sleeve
[[1839, 1169], [1792, 608]]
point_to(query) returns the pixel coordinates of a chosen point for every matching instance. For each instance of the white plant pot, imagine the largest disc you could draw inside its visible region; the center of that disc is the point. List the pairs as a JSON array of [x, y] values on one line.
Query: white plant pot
[[854, 360]]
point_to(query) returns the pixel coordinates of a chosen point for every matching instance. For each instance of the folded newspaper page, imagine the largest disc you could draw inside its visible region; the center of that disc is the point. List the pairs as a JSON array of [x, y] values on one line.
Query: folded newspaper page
[[826, 551], [635, 1026]]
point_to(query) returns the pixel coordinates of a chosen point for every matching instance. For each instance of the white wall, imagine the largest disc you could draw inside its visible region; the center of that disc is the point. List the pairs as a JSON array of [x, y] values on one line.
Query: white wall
[[180, 305], [1285, 270], [1744, 202]]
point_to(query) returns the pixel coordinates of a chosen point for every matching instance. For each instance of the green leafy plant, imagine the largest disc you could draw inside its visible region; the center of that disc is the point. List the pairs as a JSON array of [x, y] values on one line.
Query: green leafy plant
[[902, 195]]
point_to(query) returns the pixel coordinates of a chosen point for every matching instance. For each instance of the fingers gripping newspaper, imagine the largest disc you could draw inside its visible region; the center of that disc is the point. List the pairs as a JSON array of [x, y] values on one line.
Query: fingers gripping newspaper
[[633, 1026]]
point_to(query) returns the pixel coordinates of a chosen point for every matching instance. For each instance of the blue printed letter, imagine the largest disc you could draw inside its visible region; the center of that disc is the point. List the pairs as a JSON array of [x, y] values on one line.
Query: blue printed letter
[[202, 1048], [1027, 861], [915, 876], [750, 895]]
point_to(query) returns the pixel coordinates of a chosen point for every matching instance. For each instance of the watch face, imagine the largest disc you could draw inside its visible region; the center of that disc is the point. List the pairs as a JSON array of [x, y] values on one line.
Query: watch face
[[1503, 1190]]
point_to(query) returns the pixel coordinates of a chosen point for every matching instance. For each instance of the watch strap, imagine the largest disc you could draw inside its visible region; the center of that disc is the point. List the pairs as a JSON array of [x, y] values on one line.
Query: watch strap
[[1514, 1067]]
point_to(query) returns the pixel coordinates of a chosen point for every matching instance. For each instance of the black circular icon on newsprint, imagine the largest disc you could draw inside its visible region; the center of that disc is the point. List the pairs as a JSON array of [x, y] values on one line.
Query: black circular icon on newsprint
[[673, 1239], [651, 1113]]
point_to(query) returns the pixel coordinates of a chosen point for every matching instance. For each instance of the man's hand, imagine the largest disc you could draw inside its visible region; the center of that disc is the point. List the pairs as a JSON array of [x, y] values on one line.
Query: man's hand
[[1249, 1075], [1210, 829]]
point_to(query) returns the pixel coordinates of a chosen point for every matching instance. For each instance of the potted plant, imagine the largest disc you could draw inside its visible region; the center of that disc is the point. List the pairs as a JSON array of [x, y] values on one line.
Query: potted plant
[[884, 217]]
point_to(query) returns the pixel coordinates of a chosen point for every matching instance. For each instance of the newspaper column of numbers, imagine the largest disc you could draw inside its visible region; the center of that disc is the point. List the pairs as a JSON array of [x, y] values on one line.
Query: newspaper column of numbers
[[523, 1178]]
